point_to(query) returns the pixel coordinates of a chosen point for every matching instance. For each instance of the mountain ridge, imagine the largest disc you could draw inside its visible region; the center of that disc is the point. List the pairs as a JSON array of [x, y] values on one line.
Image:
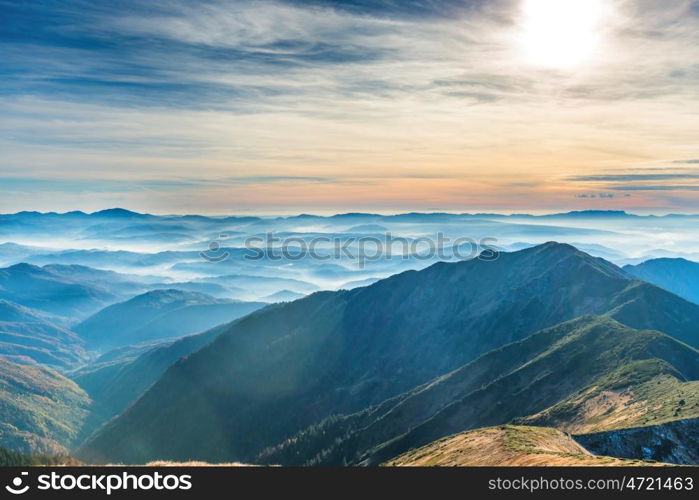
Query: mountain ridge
[[531, 374]]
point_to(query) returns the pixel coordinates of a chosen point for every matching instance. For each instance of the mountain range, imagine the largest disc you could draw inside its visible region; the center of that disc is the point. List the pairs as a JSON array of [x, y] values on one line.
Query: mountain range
[[112, 365], [52, 292], [281, 372], [680, 276]]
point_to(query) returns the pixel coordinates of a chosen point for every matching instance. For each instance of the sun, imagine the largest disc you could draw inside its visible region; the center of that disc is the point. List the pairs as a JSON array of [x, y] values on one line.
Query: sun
[[561, 33]]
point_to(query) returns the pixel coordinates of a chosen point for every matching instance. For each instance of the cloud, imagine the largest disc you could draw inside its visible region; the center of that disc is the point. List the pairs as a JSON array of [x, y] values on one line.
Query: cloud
[[683, 187], [29, 184], [634, 177], [307, 93]]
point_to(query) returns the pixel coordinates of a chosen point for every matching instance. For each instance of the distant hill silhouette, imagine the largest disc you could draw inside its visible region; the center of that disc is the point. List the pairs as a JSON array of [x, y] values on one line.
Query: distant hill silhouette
[[680, 276]]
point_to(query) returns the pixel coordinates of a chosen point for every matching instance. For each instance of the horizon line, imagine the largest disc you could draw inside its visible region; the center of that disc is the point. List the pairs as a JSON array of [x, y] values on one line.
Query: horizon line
[[332, 214]]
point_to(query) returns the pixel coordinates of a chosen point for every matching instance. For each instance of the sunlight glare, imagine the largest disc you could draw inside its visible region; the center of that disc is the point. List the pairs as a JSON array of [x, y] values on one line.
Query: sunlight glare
[[561, 33]]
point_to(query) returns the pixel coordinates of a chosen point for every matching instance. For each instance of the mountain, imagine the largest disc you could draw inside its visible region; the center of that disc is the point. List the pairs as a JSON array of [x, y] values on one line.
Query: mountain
[[367, 229], [40, 410], [9, 311], [212, 289], [605, 366], [680, 276], [507, 446], [282, 296], [674, 442], [261, 285], [159, 314], [120, 285], [118, 213], [115, 381], [41, 289], [592, 214], [28, 336], [289, 366], [639, 394], [108, 259], [360, 283], [593, 249], [41, 343]]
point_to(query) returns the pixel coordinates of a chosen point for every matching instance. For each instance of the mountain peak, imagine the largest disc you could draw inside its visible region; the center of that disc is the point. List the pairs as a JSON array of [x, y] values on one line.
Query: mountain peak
[[173, 293], [116, 212], [555, 245], [594, 213], [679, 261], [23, 267], [168, 296], [552, 248]]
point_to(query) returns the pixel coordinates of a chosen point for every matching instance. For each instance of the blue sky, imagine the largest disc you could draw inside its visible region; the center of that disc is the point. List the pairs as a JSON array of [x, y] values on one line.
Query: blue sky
[[264, 106]]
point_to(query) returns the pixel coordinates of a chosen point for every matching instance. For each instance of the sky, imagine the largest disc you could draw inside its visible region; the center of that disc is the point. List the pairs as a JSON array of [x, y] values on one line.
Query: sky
[[287, 106]]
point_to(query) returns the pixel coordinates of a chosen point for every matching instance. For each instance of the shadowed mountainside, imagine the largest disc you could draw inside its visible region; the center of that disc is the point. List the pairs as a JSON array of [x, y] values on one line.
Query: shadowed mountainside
[[114, 384], [675, 442]]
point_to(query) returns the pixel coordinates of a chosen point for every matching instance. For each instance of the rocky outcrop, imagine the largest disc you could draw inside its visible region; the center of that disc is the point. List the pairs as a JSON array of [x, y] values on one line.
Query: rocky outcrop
[[674, 442]]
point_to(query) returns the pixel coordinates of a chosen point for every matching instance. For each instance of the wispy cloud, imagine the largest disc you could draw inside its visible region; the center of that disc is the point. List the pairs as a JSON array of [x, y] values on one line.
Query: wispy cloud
[[634, 177], [683, 187], [29, 184]]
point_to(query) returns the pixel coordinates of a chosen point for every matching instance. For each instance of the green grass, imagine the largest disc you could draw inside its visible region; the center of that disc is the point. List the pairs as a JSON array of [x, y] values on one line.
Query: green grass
[[649, 392]]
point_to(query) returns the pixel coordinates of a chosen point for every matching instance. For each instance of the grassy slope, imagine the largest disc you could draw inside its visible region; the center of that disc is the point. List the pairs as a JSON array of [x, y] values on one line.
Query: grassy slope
[[643, 393], [506, 446]]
